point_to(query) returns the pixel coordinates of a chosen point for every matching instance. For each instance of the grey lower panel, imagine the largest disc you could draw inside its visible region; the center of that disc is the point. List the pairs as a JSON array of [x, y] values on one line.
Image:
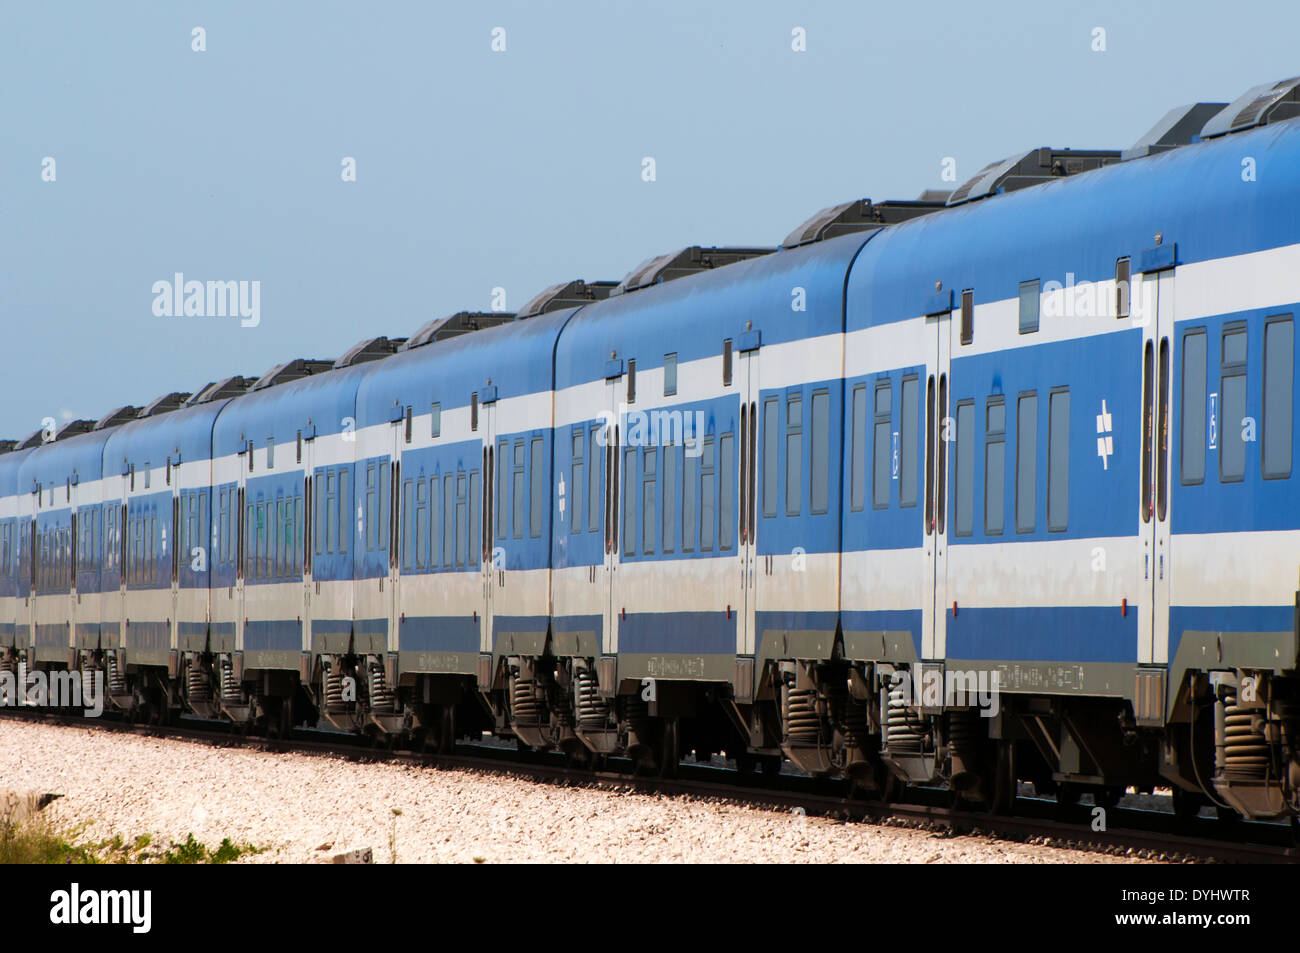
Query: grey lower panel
[[1203, 651], [795, 643], [879, 645], [694, 668], [520, 643], [440, 663], [1112, 679], [273, 659], [147, 656], [576, 644]]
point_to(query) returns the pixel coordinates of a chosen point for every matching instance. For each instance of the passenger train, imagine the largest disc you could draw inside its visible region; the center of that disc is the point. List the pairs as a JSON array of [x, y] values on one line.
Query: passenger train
[[995, 485]]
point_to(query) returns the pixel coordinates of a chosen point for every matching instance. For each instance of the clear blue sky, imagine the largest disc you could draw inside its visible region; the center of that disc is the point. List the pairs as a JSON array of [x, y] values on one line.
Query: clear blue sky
[[518, 169]]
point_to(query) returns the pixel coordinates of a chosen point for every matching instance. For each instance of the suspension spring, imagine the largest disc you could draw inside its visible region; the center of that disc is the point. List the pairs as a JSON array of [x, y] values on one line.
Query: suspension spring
[[197, 686], [857, 731], [904, 729], [962, 732], [230, 689], [637, 712], [523, 701], [591, 707], [1246, 750], [382, 698], [799, 713], [334, 691], [116, 682]]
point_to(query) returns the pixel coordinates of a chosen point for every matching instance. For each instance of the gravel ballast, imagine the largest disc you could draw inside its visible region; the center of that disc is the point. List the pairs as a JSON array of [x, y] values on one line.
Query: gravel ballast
[[308, 808]]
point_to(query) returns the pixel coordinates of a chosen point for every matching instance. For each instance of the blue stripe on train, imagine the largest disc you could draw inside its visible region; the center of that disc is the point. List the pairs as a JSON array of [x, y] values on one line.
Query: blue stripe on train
[[683, 633], [273, 635], [1043, 634], [457, 633]]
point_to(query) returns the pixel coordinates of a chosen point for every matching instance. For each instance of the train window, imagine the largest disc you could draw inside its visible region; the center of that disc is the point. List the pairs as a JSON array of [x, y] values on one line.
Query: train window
[[929, 455], [448, 520], [726, 363], [708, 495], [408, 525], [1162, 428], [793, 453], [517, 471], [771, 442], [332, 519], [882, 447], [249, 451], [964, 490], [385, 514], [1279, 379], [297, 535], [473, 411], [475, 502], [167, 477], [857, 448], [1026, 462], [648, 502], [690, 487], [576, 483], [726, 492], [435, 420], [941, 471], [148, 479], [297, 448], [434, 528], [821, 452], [593, 481], [670, 498], [410, 419], [371, 504], [1232, 385], [1122, 285], [629, 501], [270, 453], [537, 507], [462, 520], [995, 465], [503, 489], [1192, 441], [345, 510], [1029, 305], [1058, 461], [670, 374], [911, 421], [967, 316], [631, 381]]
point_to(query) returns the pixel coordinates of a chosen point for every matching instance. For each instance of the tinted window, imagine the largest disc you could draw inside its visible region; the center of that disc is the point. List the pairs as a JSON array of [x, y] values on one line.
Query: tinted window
[[435, 420], [537, 504], [690, 487], [995, 465], [909, 425], [517, 472], [858, 449], [629, 502], [594, 476], [771, 441], [964, 489], [1192, 442], [821, 425], [1279, 373], [1058, 461], [648, 502], [727, 490], [881, 448], [670, 375], [793, 453], [575, 484], [708, 496], [1026, 462], [1029, 300], [1232, 452], [671, 455]]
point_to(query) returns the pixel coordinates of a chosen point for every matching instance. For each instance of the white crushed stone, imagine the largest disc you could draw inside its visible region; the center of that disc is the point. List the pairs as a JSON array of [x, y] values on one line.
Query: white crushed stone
[[307, 808]]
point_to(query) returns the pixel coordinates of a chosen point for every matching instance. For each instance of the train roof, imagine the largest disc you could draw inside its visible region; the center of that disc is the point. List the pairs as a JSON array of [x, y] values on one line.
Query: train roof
[[316, 405], [1190, 198], [787, 295]]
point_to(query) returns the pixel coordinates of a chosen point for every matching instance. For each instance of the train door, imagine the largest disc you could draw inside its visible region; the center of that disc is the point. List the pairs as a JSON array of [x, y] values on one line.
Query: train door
[[493, 517], [1154, 312], [939, 431], [306, 532], [392, 568], [612, 415], [748, 550]]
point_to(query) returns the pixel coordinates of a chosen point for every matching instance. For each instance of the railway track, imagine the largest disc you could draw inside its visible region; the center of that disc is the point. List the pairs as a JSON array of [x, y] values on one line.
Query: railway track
[[1145, 833]]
